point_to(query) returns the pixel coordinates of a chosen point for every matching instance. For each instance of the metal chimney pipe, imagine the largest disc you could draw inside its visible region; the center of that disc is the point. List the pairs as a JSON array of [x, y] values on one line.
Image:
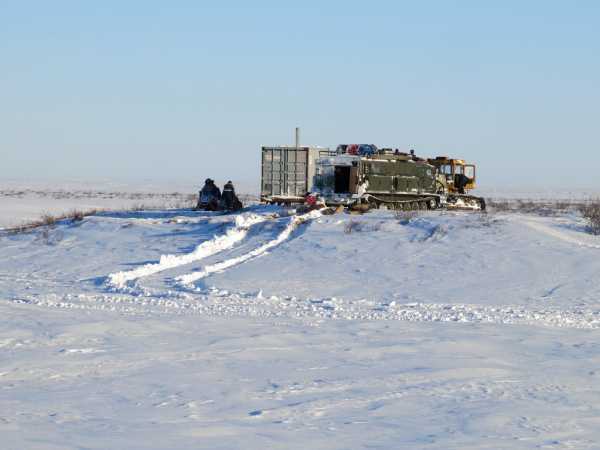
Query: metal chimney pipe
[[297, 137]]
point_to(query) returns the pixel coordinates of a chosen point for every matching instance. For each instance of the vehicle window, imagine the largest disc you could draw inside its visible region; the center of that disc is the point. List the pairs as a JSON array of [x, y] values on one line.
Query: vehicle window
[[446, 169], [470, 171]]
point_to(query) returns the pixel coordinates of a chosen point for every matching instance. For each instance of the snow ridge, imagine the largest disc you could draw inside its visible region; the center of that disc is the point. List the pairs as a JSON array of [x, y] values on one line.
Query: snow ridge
[[208, 248], [226, 264], [231, 304]]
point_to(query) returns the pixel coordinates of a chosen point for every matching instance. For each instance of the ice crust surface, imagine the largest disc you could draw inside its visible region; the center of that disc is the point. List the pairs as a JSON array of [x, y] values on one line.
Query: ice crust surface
[[187, 330]]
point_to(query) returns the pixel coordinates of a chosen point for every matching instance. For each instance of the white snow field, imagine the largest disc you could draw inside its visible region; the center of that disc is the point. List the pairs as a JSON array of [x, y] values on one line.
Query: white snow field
[[22, 202], [265, 330], [18, 207]]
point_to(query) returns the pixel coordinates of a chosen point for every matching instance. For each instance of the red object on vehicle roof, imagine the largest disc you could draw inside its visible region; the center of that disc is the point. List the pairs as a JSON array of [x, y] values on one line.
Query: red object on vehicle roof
[[352, 149]]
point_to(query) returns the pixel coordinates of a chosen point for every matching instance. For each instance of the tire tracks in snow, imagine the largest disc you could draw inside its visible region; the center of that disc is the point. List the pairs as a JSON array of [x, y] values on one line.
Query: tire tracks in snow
[[208, 248], [294, 222]]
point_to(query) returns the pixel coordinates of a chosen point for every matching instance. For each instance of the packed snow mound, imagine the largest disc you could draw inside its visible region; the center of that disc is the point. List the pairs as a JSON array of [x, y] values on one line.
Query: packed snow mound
[[428, 258]]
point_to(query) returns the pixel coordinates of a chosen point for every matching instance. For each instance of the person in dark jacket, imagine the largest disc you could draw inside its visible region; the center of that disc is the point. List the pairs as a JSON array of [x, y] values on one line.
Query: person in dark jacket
[[229, 200], [460, 181], [209, 196]]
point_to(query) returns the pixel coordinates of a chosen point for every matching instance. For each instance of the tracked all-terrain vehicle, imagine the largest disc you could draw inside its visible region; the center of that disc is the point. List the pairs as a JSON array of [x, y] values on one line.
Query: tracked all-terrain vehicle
[[397, 181]]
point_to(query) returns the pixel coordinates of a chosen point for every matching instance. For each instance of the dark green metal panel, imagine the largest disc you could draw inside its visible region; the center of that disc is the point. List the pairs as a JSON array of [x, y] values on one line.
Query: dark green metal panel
[[381, 183], [397, 175]]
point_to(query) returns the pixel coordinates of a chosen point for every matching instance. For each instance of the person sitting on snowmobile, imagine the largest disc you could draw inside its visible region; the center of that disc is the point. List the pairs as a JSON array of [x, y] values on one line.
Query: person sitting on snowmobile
[[229, 200], [209, 196]]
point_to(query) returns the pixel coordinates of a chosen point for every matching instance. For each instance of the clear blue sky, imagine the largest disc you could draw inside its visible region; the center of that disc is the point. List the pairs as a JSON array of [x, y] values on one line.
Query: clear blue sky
[[180, 89]]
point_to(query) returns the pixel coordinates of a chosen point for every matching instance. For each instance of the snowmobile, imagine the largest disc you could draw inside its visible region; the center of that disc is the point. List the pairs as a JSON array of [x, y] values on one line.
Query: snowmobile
[[209, 198], [208, 203], [230, 201]]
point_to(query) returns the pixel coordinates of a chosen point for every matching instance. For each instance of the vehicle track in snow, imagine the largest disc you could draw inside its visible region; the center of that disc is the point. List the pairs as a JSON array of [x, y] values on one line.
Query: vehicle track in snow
[[293, 223], [208, 248], [572, 237]]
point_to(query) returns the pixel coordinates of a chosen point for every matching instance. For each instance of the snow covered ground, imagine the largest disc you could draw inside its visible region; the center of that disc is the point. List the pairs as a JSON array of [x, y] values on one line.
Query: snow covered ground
[[23, 202], [22, 206], [177, 329]]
